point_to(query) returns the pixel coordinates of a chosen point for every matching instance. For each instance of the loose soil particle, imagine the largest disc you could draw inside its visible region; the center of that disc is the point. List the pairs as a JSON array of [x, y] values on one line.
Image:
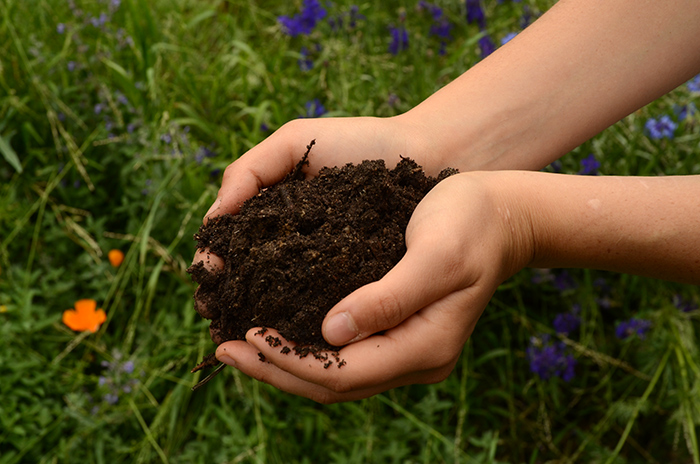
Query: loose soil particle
[[300, 246]]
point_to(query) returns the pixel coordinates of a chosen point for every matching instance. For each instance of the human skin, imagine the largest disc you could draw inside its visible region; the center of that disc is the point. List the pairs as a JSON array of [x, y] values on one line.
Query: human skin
[[500, 222], [579, 68]]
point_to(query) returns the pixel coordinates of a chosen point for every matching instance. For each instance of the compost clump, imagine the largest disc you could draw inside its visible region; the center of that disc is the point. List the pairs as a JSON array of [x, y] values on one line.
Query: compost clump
[[300, 246]]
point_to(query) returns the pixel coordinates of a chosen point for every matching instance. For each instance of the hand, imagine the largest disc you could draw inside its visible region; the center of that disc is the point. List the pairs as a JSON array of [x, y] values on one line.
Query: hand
[[338, 141], [462, 242]]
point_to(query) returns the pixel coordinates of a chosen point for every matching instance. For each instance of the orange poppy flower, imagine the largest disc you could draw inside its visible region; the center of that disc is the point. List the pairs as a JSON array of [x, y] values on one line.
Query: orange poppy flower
[[84, 316], [115, 257]]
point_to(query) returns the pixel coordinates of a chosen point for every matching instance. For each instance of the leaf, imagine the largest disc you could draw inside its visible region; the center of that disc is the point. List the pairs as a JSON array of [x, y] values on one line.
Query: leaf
[[9, 154]]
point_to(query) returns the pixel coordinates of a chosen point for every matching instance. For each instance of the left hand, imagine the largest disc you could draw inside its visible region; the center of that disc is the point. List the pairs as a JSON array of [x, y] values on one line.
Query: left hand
[[463, 240]]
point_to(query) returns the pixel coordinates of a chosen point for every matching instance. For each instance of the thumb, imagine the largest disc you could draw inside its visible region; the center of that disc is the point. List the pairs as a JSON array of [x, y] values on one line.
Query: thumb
[[423, 275]]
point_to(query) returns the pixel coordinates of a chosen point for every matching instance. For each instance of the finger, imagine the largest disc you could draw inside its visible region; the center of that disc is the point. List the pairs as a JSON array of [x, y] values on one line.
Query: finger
[[263, 165], [338, 141], [423, 349], [245, 357], [427, 272]]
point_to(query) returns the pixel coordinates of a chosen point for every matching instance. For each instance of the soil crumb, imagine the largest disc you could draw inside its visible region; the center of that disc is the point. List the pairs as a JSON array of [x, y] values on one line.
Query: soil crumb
[[300, 246]]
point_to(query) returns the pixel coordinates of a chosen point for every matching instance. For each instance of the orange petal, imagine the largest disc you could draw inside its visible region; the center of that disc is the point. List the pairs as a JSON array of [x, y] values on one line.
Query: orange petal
[[84, 317], [115, 257], [71, 319], [98, 318], [85, 306]]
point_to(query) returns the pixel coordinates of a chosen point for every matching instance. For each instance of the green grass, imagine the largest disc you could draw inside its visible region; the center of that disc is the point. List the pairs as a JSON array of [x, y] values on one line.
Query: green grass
[[102, 132]]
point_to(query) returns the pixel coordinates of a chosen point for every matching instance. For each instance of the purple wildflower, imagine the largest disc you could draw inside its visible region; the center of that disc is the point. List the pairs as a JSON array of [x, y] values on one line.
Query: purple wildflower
[[71, 66], [660, 128], [314, 109], [393, 100], [563, 281], [303, 23], [145, 191], [128, 367], [355, 15], [555, 166], [111, 398], [634, 326], [60, 28], [305, 63], [694, 84], [589, 166], [603, 300], [202, 153], [487, 46], [566, 323], [685, 111], [526, 17], [442, 30], [434, 10], [475, 14], [548, 359], [684, 305], [508, 37], [399, 39]]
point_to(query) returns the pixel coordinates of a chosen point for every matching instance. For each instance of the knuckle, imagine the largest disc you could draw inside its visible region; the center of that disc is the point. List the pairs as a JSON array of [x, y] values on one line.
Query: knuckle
[[437, 376], [338, 385], [387, 311], [326, 398]]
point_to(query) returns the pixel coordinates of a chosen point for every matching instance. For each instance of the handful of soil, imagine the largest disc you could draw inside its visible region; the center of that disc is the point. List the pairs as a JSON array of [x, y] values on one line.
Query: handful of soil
[[300, 246]]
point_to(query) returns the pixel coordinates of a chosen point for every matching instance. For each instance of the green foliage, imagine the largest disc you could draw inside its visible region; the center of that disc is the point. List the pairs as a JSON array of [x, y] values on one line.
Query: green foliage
[[113, 132]]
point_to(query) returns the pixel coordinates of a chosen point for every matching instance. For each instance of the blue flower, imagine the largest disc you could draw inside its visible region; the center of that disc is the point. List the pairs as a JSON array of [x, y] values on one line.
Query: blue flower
[[442, 30], [563, 281], [60, 28], [202, 153], [589, 166], [508, 37], [434, 10], [526, 17], [694, 84], [487, 46], [684, 305], [634, 326], [548, 359], [566, 323], [399, 39], [303, 23], [128, 367], [475, 14], [305, 63], [314, 109], [685, 111], [660, 128]]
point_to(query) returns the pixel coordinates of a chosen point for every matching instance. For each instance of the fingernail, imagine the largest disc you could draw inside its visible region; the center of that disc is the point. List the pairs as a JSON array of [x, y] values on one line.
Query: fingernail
[[214, 207], [340, 329], [227, 360]]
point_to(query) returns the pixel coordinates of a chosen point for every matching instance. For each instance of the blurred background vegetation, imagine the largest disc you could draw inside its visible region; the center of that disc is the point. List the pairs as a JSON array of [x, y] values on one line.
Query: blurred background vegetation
[[116, 120]]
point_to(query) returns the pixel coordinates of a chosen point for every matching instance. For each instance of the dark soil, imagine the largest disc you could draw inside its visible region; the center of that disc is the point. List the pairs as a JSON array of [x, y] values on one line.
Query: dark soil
[[300, 246]]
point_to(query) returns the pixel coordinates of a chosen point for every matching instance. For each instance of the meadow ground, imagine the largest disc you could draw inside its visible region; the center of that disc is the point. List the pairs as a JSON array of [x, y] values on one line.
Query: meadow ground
[[116, 120]]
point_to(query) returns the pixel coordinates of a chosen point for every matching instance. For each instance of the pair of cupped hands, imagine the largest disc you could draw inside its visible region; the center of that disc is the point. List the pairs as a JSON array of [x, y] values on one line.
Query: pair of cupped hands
[[464, 239]]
